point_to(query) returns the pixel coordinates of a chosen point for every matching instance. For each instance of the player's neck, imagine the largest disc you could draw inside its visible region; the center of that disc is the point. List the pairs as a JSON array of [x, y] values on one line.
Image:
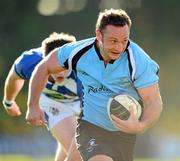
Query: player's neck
[[103, 53]]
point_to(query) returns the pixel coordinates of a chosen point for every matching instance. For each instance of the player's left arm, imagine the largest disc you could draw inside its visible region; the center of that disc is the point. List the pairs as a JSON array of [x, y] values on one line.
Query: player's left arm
[[152, 103], [152, 107]]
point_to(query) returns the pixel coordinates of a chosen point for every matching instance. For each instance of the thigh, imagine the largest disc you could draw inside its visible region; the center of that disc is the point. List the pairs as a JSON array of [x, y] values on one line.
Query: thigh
[[61, 120], [75, 107], [54, 111], [64, 131], [93, 142], [124, 146], [73, 153]]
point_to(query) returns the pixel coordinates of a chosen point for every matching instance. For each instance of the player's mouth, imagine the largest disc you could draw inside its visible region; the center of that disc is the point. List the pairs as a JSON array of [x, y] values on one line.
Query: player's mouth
[[115, 53], [59, 78]]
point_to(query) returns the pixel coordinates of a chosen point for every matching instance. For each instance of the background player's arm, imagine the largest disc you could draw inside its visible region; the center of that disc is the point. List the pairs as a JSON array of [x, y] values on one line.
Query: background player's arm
[[47, 66], [12, 87]]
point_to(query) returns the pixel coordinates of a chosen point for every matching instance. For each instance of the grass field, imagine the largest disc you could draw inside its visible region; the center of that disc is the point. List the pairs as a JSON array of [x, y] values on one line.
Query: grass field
[[22, 158], [28, 158]]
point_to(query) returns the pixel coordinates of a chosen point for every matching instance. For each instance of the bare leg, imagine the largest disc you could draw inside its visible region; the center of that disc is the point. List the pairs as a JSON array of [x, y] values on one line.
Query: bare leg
[[60, 153], [73, 153], [64, 133]]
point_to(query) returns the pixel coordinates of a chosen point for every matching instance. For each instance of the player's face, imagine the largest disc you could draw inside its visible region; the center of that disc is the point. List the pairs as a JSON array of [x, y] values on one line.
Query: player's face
[[59, 77], [112, 41]]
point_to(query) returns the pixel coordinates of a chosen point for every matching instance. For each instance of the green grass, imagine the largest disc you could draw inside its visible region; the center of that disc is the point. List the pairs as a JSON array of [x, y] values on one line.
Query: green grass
[[28, 158], [22, 158]]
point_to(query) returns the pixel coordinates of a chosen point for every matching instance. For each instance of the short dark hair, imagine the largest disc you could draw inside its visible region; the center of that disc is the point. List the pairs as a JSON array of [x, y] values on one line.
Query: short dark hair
[[116, 17], [56, 40]]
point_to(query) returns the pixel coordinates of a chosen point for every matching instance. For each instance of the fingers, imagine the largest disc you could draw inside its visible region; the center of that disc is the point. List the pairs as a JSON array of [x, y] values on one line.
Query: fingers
[[132, 110], [130, 125], [35, 118], [36, 122], [116, 119]]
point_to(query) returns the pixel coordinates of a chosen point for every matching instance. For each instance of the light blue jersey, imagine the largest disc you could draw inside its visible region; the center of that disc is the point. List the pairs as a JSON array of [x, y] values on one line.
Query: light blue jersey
[[133, 70], [68, 91]]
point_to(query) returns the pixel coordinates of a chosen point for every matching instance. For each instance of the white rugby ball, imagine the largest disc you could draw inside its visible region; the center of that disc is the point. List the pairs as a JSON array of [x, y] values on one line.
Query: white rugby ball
[[119, 106]]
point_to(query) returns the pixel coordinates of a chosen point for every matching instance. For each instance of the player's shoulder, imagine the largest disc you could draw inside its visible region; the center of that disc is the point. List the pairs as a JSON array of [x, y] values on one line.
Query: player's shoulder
[[142, 61], [27, 61], [139, 54], [84, 41], [137, 50], [35, 54], [71, 49], [88, 40], [79, 44]]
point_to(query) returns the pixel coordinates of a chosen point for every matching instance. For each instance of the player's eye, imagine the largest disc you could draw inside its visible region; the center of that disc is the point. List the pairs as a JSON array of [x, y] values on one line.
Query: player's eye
[[113, 41], [125, 41]]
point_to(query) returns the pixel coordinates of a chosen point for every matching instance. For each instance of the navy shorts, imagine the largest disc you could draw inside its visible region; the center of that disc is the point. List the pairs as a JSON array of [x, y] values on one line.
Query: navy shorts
[[93, 140]]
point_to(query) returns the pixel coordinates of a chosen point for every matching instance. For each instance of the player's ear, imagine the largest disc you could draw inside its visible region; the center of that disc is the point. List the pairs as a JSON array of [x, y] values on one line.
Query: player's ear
[[98, 35]]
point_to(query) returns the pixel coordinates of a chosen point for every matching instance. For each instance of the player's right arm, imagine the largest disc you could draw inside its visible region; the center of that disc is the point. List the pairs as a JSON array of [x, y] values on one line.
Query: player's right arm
[[47, 66], [12, 87]]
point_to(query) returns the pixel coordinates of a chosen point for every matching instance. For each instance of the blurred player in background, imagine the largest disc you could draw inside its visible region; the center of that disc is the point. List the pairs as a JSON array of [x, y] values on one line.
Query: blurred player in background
[[60, 99]]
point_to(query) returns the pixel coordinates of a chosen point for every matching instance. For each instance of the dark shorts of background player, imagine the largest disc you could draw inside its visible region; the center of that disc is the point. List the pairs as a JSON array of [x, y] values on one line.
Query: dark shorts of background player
[[93, 140]]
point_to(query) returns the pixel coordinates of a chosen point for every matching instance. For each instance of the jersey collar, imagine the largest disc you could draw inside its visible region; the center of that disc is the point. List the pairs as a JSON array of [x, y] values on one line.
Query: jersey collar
[[99, 54]]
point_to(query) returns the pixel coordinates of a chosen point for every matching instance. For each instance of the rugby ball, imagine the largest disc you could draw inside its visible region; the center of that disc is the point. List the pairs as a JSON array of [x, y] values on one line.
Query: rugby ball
[[119, 106]]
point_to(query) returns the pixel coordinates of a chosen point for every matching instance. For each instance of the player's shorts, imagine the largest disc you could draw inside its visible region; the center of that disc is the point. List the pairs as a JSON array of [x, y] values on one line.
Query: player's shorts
[[93, 140], [57, 111]]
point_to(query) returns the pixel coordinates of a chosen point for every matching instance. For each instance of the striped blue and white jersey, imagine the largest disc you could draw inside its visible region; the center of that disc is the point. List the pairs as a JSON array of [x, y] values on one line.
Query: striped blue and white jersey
[[68, 91], [133, 70]]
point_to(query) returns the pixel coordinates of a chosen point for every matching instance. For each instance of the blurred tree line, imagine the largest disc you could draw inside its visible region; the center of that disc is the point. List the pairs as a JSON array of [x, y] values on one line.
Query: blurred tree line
[[155, 28]]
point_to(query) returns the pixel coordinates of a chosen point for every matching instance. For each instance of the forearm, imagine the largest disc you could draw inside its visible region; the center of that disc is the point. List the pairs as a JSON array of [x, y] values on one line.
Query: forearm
[[13, 86], [151, 113], [152, 108], [34, 114], [39, 77], [36, 85]]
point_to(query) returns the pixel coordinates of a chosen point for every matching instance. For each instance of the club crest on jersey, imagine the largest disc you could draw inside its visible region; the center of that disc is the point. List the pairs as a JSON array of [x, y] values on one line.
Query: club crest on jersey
[[54, 111], [91, 145]]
